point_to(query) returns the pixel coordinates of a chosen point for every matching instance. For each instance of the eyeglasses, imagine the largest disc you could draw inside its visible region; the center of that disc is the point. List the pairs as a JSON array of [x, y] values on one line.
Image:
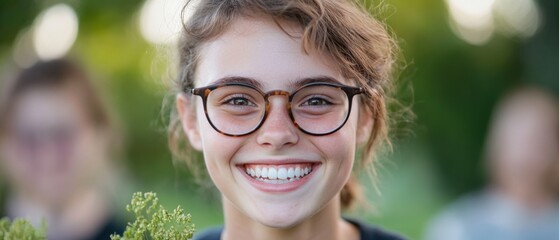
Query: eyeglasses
[[239, 109]]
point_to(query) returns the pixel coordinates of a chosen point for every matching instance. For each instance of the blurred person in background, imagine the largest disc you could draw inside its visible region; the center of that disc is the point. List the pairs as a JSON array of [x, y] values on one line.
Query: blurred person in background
[[521, 201], [56, 145]]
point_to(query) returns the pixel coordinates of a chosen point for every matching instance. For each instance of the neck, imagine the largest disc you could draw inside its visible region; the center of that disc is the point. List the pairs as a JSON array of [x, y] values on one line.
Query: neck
[[530, 197], [79, 216], [327, 224]]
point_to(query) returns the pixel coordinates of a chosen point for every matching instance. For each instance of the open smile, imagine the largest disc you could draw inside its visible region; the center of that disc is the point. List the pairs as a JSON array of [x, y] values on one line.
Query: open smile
[[278, 177], [278, 174]]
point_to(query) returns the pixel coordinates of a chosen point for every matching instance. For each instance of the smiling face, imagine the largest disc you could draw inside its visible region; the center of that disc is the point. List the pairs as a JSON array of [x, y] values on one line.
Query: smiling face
[[277, 175]]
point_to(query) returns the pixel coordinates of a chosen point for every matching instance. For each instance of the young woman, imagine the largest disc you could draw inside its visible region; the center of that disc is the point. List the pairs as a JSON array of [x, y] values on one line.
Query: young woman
[[279, 96], [55, 152]]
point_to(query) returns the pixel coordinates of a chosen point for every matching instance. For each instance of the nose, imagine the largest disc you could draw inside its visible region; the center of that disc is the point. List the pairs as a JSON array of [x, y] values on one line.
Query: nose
[[278, 129]]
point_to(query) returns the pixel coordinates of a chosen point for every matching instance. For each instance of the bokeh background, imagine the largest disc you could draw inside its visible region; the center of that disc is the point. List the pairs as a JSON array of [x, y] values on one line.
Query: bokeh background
[[458, 57]]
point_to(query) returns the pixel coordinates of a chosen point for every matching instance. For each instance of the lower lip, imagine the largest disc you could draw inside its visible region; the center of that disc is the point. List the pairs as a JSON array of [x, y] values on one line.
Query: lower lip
[[277, 188]]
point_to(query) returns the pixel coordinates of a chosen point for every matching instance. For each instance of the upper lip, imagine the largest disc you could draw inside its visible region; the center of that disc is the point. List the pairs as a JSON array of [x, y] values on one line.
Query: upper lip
[[278, 161]]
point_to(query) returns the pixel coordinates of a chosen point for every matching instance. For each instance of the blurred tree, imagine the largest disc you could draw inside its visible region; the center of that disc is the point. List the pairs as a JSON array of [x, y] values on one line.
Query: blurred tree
[[541, 53], [14, 15]]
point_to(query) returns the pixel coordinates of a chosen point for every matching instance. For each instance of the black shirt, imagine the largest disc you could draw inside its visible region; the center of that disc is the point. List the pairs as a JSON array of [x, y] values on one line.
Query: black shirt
[[367, 232]]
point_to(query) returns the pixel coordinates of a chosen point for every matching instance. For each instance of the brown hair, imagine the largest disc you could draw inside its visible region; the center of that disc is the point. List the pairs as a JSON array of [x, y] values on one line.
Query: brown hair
[[359, 44]]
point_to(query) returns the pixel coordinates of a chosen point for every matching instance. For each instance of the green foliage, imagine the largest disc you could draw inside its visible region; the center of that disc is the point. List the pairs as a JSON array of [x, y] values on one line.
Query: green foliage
[[154, 222], [20, 229]]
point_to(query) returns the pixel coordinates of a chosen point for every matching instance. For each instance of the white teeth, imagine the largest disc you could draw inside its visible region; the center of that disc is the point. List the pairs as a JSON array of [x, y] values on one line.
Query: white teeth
[[282, 173], [264, 172], [290, 173], [272, 173], [279, 175]]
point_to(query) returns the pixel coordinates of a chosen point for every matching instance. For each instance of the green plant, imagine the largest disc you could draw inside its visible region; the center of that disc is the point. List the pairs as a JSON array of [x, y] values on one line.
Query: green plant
[[21, 229], [154, 222]]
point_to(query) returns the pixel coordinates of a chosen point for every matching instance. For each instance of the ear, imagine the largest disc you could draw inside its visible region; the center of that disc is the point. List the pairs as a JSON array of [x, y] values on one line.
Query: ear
[[187, 115], [364, 125]]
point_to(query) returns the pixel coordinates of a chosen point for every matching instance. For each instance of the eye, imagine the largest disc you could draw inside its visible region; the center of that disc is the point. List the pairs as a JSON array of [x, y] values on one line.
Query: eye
[[239, 101], [316, 101]]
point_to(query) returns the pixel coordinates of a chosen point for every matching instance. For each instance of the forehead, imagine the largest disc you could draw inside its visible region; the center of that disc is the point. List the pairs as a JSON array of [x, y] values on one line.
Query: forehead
[[258, 48]]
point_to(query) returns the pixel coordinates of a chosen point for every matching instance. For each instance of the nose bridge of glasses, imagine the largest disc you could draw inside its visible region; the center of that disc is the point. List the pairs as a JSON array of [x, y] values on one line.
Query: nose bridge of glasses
[[272, 93], [277, 93]]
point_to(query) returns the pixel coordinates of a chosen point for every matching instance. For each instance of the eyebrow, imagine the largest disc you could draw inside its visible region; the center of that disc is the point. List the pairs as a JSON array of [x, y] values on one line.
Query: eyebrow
[[292, 84], [238, 79], [308, 80]]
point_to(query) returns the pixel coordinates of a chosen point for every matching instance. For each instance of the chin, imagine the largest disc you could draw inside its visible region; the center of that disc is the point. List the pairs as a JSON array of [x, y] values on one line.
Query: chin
[[281, 222], [282, 216]]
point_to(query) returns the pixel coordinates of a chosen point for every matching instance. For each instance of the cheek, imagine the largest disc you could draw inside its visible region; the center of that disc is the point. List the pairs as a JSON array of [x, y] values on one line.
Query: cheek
[[341, 145], [218, 150], [11, 162], [339, 151], [346, 145], [89, 153]]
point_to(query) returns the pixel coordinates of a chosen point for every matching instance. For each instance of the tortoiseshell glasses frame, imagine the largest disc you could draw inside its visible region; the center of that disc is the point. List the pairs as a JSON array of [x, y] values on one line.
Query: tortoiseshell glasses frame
[[241, 102]]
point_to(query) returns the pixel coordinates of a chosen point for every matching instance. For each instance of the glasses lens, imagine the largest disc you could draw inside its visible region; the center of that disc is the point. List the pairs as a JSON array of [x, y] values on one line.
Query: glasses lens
[[320, 109], [235, 110]]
